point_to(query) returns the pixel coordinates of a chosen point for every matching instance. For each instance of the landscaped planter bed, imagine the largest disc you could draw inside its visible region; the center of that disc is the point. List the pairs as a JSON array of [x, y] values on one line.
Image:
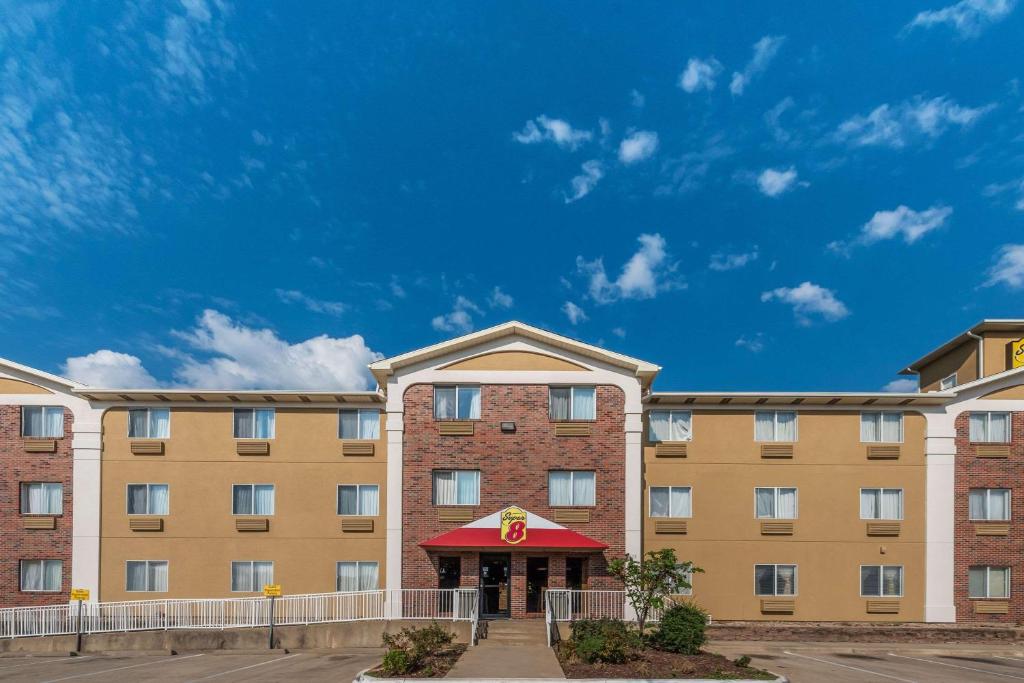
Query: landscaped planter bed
[[651, 664], [437, 664]]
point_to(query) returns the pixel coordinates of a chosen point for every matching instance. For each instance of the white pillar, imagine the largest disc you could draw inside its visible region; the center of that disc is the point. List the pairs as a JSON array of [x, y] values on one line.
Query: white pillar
[[85, 497], [940, 454], [395, 432]]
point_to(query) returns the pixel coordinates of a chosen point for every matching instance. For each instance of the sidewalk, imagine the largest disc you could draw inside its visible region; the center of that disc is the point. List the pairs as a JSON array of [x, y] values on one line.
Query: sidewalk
[[512, 649]]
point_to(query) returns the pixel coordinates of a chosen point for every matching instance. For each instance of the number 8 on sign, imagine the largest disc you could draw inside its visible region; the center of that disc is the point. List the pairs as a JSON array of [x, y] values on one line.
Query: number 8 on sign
[[513, 525]]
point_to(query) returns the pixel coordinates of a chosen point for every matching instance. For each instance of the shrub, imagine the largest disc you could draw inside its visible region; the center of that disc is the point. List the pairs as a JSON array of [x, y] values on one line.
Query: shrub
[[396, 663], [603, 640], [682, 629], [409, 649], [743, 661]]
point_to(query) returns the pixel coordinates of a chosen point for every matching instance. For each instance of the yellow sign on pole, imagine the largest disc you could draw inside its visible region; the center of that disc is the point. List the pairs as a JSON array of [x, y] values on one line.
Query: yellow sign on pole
[[79, 593], [1017, 353], [272, 590]]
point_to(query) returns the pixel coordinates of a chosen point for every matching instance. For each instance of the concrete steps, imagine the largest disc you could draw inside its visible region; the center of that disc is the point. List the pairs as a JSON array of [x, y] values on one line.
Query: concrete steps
[[516, 632]]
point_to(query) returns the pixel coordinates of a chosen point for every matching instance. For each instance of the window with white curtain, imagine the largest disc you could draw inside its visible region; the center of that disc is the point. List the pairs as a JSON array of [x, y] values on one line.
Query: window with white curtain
[[254, 423], [990, 427], [357, 576], [947, 382], [881, 581], [45, 422], [675, 589], [575, 488], [881, 427], [43, 576], [149, 499], [881, 504], [250, 576], [456, 487], [252, 499], [572, 403], [669, 425], [989, 504], [148, 576], [671, 501], [149, 423], [775, 425], [461, 402], [774, 579], [359, 424], [42, 498], [358, 499], [988, 582], [775, 502]]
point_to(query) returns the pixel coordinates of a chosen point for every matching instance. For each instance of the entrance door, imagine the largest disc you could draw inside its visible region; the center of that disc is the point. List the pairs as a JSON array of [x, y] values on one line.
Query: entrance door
[[536, 583], [576, 579], [495, 587], [449, 575]]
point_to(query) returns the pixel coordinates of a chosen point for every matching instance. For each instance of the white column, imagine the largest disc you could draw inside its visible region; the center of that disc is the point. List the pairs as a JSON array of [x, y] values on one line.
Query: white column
[[395, 432], [940, 452], [85, 497], [634, 492]]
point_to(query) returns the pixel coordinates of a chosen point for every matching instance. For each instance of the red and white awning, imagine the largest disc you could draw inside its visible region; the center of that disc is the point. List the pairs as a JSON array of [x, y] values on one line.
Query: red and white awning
[[537, 533]]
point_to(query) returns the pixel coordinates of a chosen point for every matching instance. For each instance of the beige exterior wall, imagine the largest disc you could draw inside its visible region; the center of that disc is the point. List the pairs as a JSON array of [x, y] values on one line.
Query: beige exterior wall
[[829, 543], [963, 360], [199, 539]]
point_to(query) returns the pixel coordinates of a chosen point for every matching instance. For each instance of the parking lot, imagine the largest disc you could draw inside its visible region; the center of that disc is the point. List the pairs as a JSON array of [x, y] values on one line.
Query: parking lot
[[857, 663], [192, 666]]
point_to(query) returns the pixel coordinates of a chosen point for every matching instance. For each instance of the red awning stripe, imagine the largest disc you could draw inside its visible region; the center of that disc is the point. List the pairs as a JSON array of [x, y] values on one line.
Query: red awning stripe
[[552, 539]]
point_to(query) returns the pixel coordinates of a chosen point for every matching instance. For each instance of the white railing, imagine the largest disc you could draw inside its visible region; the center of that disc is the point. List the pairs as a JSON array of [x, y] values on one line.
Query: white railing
[[148, 615], [564, 604]]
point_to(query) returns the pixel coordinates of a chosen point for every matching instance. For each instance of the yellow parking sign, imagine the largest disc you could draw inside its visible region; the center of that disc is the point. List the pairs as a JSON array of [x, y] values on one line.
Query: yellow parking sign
[[272, 590], [79, 593]]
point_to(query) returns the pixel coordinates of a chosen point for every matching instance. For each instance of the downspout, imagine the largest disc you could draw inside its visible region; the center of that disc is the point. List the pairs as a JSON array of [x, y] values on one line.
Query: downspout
[[981, 353]]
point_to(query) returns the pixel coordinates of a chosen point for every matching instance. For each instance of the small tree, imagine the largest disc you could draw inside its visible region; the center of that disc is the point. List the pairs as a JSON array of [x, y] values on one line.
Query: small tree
[[651, 580]]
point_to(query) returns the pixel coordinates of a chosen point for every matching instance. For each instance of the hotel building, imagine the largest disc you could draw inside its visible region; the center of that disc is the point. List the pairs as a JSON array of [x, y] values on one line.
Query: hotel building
[[516, 460]]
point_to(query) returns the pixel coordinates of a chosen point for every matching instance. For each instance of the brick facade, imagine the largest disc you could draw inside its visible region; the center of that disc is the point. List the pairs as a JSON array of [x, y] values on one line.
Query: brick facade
[[973, 550], [513, 471], [16, 542]]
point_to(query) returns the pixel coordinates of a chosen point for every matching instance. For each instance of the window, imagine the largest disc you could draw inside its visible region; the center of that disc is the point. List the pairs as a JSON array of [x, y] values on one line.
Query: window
[[671, 501], [675, 589], [148, 499], [42, 422], [775, 503], [357, 576], [41, 575], [990, 427], [881, 581], [881, 504], [947, 382], [775, 579], [571, 488], [884, 427], [775, 425], [40, 498], [357, 499], [149, 423], [989, 504], [572, 403], [359, 424], [254, 423], [988, 582], [456, 487], [669, 425], [148, 576], [250, 576], [252, 499], [457, 403]]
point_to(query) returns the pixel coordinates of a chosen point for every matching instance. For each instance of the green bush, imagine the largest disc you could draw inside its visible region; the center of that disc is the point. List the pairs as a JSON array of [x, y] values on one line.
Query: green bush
[[603, 640], [682, 629], [396, 663], [409, 649]]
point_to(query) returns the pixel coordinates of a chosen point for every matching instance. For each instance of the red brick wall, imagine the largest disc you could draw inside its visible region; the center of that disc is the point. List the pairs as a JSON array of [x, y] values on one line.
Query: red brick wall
[[16, 542], [972, 550], [513, 471]]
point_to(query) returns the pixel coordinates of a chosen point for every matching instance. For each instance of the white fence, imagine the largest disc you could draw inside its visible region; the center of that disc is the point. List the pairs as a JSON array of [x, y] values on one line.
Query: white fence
[[149, 615], [572, 605]]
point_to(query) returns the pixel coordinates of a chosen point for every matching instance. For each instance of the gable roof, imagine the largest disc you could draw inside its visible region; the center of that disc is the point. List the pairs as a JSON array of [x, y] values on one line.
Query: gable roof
[[38, 374], [986, 325]]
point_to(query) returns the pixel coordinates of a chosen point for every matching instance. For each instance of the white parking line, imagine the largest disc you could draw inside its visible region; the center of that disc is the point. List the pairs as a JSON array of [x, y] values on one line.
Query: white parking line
[[251, 666], [957, 666], [162, 660], [1009, 659], [852, 668], [46, 660]]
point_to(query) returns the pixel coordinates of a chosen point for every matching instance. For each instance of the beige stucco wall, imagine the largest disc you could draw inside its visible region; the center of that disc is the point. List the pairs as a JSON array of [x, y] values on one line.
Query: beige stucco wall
[[829, 467], [199, 539], [963, 360], [16, 386]]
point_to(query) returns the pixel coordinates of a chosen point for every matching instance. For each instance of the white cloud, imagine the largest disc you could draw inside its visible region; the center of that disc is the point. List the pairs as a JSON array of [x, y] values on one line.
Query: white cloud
[[773, 182], [764, 52], [901, 386], [106, 368], [647, 272], [460, 319], [773, 119], [574, 313], [586, 181], [897, 125], [754, 344], [687, 172], [1008, 269], [500, 299], [968, 17], [619, 332], [294, 296], [904, 222], [700, 74], [808, 301], [552, 130], [1015, 187], [723, 262], [638, 146], [637, 99]]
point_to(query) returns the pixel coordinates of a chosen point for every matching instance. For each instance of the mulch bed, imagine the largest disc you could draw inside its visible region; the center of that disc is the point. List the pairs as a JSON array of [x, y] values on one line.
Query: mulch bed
[[436, 666], [658, 664]]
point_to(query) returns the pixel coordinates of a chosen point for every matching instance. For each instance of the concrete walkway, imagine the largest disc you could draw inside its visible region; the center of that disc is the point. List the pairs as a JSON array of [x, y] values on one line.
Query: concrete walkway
[[512, 649]]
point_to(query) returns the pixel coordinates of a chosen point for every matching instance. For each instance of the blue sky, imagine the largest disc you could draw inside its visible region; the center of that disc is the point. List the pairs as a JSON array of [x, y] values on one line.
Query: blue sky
[[797, 196]]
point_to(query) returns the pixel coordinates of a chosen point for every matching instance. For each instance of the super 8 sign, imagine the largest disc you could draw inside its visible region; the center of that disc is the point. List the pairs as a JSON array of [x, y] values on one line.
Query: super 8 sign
[[513, 525]]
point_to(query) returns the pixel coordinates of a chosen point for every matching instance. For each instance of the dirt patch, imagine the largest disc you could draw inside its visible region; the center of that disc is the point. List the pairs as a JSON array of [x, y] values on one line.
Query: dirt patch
[[437, 665], [658, 664], [861, 632]]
